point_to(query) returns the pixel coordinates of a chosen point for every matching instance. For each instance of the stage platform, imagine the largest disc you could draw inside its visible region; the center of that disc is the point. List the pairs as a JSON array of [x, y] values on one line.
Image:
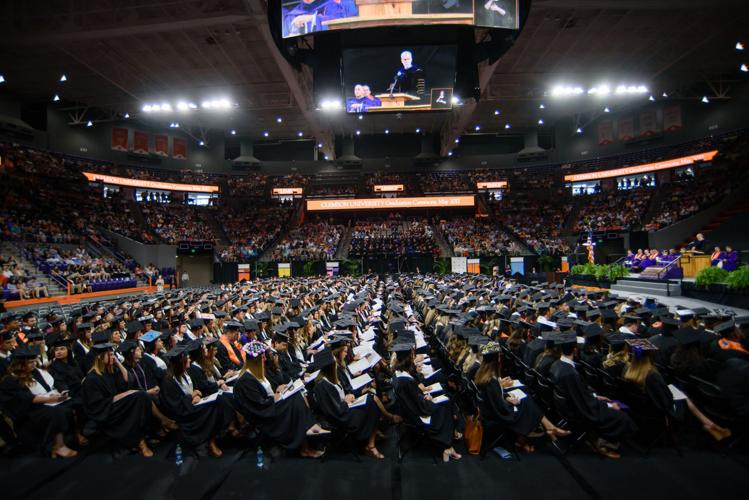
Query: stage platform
[[704, 471]]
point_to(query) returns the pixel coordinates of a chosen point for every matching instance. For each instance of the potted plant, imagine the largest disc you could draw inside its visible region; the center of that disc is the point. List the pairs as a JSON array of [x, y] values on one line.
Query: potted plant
[[738, 280], [711, 276]]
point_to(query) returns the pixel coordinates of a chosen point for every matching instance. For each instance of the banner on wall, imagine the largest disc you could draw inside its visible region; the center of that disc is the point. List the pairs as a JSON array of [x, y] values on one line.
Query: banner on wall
[[284, 270], [605, 133], [648, 123], [459, 265], [474, 266], [672, 118], [179, 148], [243, 272], [140, 142], [517, 265], [161, 145], [119, 139], [626, 129]]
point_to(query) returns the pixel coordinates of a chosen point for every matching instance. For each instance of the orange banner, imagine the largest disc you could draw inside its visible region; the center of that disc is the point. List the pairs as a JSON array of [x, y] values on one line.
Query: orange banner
[[491, 185], [282, 191], [642, 169], [388, 188], [390, 203], [138, 183]]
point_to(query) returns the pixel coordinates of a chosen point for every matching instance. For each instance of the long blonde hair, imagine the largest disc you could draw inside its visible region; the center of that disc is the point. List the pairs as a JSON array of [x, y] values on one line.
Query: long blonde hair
[[615, 358], [488, 370], [255, 366], [99, 366], [638, 369]]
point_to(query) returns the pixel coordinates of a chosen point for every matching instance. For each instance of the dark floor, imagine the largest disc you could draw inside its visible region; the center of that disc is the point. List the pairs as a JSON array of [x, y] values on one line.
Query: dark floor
[[703, 472]]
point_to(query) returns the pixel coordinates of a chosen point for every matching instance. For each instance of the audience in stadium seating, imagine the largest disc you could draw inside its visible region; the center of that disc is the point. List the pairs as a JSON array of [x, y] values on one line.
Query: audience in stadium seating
[[538, 222], [397, 235], [471, 237], [613, 210], [252, 185], [443, 182], [174, 223], [329, 190], [250, 232], [313, 240]]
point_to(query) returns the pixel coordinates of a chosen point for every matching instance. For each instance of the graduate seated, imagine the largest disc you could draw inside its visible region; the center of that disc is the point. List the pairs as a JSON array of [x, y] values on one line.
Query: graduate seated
[[599, 412], [642, 373], [514, 409]]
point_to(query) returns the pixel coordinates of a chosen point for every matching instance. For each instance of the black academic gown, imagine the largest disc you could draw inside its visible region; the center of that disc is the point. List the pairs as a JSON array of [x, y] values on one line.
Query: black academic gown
[[592, 358], [543, 365], [733, 379], [532, 350], [608, 422], [222, 355], [126, 420], [411, 401], [661, 397], [276, 377], [70, 376], [36, 424], [285, 421], [82, 357], [360, 422], [666, 344], [197, 423], [154, 373], [290, 365], [497, 411]]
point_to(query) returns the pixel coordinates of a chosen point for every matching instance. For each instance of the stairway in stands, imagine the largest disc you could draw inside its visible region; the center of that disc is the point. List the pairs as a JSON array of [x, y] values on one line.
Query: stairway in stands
[[730, 227], [209, 216], [439, 238], [8, 249], [344, 245]]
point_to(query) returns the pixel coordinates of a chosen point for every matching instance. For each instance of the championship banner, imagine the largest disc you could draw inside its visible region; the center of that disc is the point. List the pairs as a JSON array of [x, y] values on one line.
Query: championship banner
[[459, 265], [672, 118], [284, 270], [626, 129], [474, 266], [119, 139], [140, 142], [390, 203], [179, 149], [161, 145], [648, 123], [605, 133]]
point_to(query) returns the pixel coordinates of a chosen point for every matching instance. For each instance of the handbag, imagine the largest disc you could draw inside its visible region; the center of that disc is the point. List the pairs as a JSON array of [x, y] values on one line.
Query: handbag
[[473, 434]]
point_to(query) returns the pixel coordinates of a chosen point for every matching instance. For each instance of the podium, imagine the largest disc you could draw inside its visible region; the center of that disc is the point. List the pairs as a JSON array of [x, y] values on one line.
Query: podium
[[373, 13], [694, 263], [395, 100]]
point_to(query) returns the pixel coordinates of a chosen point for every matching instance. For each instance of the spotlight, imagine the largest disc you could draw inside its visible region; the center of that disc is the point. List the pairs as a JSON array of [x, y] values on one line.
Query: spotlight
[[192, 105], [56, 98], [477, 128], [651, 98], [508, 126], [455, 99], [541, 106], [300, 134], [206, 105], [126, 115], [201, 143], [326, 157], [540, 121], [358, 132], [739, 46], [664, 95], [705, 99], [449, 153], [176, 125], [233, 132], [265, 134], [744, 68], [319, 145], [330, 105], [457, 141], [2, 79], [418, 130], [165, 106], [496, 112], [89, 123], [579, 130], [63, 78], [182, 106], [361, 117], [387, 131], [279, 119], [146, 108], [606, 110]]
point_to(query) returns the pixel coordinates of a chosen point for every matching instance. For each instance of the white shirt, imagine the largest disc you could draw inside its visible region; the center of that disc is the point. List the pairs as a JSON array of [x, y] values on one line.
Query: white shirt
[[564, 359], [338, 388], [159, 362], [38, 389], [185, 383]]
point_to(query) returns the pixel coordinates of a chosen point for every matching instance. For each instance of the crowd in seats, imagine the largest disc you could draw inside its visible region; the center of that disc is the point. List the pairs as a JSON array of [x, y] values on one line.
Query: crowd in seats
[[174, 222], [252, 185], [77, 267], [523, 180], [290, 180], [388, 179], [396, 235], [313, 240], [537, 223], [115, 215], [613, 210], [334, 190], [17, 282], [183, 176], [452, 181], [472, 237], [251, 232], [486, 175]]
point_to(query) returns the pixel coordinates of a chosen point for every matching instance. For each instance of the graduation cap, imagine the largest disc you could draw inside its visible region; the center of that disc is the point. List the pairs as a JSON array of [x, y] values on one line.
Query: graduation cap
[[478, 340], [669, 324], [251, 325], [196, 323], [490, 349], [219, 314], [7, 335], [638, 347], [149, 337], [254, 348], [278, 311], [685, 314], [232, 325], [687, 336], [127, 346], [35, 335], [592, 330], [323, 359], [262, 316], [724, 328], [105, 346], [100, 337], [194, 345], [175, 354], [561, 339], [403, 350], [24, 352], [58, 340], [608, 314], [615, 339], [133, 327]]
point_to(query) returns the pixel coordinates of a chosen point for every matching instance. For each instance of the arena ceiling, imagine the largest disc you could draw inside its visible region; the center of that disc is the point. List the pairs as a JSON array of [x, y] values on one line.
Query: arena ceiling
[[118, 54]]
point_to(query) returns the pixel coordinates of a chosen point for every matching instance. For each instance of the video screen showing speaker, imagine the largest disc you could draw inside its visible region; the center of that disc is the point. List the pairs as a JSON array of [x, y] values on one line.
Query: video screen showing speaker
[[302, 17], [398, 79]]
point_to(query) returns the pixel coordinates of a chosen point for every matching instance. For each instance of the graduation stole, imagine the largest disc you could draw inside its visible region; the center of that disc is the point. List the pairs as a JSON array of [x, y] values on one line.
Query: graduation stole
[[229, 349], [730, 345]]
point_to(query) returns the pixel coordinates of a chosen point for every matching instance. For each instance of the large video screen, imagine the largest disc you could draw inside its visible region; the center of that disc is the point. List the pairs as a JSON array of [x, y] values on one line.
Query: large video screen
[[302, 17], [399, 78]]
